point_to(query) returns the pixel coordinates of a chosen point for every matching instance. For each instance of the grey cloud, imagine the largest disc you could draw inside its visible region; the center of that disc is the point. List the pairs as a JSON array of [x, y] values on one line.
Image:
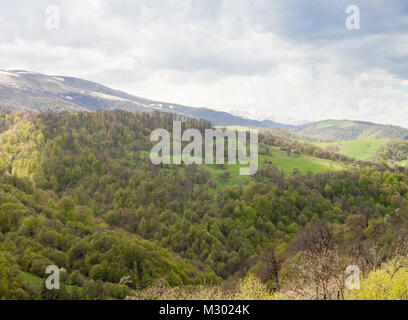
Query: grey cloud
[[291, 58]]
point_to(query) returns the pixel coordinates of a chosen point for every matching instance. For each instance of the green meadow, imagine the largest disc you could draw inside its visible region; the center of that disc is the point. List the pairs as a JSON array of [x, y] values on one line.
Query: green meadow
[[337, 123], [278, 158], [357, 149], [38, 283]]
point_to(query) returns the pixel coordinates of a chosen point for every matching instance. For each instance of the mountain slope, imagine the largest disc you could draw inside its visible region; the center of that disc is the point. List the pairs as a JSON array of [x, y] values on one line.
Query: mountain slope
[[344, 130], [37, 229], [220, 118], [91, 171], [23, 90], [78, 190]]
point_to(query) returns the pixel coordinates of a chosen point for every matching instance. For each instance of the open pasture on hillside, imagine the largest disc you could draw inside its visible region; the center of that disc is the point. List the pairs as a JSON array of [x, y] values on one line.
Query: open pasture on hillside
[[357, 149]]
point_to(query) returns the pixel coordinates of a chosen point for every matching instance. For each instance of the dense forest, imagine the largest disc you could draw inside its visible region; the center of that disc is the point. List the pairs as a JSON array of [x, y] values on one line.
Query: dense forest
[[78, 190]]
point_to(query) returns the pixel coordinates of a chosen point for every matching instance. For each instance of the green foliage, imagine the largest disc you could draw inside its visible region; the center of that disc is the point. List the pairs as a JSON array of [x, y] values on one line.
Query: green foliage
[[87, 198], [395, 152], [390, 282], [251, 288], [335, 130]]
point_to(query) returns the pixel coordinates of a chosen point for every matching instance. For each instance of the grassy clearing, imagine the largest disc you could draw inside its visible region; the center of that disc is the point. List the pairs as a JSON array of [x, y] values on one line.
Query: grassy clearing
[[235, 178], [403, 163], [33, 278], [303, 163], [357, 149], [338, 123], [280, 159], [38, 283]]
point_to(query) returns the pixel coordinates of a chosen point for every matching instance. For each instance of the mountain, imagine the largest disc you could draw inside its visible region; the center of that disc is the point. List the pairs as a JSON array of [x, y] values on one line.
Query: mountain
[[345, 130], [24, 90], [220, 118]]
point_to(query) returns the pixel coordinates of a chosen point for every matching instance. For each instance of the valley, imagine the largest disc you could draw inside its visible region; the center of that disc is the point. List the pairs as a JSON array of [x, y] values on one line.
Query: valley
[[78, 190]]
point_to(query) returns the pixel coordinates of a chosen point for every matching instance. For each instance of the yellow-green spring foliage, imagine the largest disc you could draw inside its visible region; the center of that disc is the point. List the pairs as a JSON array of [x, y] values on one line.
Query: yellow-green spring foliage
[[251, 288], [390, 282]]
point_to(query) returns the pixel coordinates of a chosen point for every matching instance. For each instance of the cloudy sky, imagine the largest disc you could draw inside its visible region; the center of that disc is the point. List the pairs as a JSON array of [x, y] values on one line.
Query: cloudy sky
[[288, 60]]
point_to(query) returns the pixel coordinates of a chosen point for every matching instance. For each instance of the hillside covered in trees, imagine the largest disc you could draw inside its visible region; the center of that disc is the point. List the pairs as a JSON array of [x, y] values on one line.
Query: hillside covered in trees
[[79, 191], [345, 130]]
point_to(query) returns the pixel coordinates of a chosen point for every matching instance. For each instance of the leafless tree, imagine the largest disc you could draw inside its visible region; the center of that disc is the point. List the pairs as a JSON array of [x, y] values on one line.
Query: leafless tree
[[318, 275], [317, 237], [272, 266], [318, 269]]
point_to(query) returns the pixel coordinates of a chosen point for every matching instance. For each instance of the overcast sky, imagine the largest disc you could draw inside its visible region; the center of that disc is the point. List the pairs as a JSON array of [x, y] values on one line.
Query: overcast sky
[[286, 60]]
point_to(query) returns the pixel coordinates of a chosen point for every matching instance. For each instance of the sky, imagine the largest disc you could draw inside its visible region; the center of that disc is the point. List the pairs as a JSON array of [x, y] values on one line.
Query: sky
[[286, 60]]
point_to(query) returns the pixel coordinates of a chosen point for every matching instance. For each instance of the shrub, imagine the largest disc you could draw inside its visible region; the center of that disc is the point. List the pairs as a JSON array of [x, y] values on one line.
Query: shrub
[[390, 282]]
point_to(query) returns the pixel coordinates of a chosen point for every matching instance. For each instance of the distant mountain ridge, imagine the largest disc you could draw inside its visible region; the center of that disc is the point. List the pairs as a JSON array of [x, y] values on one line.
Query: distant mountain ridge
[[344, 130], [31, 91], [24, 90], [221, 118]]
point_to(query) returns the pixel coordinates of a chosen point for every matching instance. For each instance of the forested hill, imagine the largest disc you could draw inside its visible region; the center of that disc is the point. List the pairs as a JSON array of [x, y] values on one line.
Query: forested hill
[[78, 190], [335, 130]]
